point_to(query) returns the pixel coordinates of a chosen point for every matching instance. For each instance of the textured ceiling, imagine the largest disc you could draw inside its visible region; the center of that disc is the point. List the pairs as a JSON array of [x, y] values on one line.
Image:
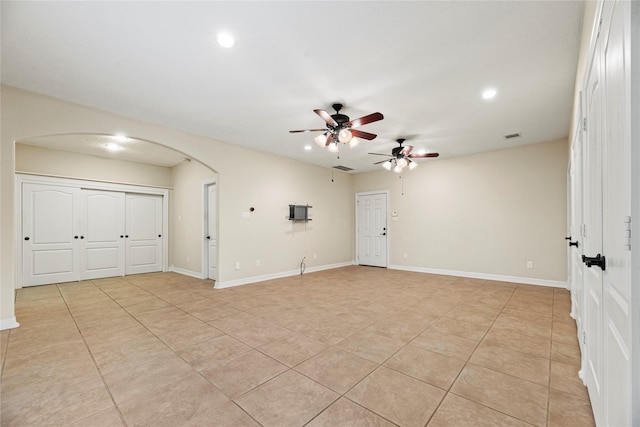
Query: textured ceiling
[[423, 65]]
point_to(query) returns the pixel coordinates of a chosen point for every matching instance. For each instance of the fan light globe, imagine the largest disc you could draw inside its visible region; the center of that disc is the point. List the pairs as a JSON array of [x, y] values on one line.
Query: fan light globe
[[333, 147], [344, 136], [397, 169], [402, 162], [354, 142], [413, 165], [321, 140], [387, 165]]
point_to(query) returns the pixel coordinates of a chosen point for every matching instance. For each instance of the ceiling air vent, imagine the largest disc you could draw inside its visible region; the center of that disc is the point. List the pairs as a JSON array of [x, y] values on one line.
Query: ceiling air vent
[[343, 168], [513, 135]]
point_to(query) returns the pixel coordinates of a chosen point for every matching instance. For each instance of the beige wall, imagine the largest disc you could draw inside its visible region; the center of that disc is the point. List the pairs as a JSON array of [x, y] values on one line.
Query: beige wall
[[487, 213], [186, 215], [74, 165], [246, 178]]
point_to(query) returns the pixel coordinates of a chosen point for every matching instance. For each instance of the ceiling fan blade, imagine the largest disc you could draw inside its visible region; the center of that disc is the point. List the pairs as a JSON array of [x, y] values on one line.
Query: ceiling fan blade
[[380, 154], [364, 135], [329, 140], [374, 117], [326, 117], [307, 130], [417, 156], [381, 161], [406, 150]]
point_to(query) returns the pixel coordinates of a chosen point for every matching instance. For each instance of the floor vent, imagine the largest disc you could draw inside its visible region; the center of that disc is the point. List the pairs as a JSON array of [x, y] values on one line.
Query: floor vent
[[513, 135], [343, 168]]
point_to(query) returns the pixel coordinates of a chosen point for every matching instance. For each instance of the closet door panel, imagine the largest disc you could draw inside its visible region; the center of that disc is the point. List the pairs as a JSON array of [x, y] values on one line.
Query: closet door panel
[[144, 231], [50, 234], [103, 224]]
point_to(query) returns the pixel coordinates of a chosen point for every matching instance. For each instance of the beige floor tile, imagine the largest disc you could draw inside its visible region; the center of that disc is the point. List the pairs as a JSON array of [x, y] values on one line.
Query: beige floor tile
[[456, 411], [347, 413], [449, 345], [565, 353], [174, 404], [290, 399], [425, 365], [514, 341], [146, 378], [397, 397], [567, 410], [146, 306], [400, 329], [250, 330], [327, 330], [337, 369], [210, 352], [245, 372], [371, 345], [521, 399], [522, 365], [183, 338], [523, 327], [131, 353], [293, 349], [565, 378], [106, 418], [470, 331]]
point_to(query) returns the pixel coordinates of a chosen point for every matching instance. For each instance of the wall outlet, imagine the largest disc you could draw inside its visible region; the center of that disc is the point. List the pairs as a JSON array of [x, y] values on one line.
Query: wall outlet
[[258, 263], [529, 264], [237, 265]]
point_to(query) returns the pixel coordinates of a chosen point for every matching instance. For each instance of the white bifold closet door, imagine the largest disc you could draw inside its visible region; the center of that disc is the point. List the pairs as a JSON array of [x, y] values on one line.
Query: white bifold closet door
[[71, 234]]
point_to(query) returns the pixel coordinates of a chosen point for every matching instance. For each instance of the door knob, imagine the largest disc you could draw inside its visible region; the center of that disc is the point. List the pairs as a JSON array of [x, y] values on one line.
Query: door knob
[[121, 236], [598, 260], [573, 243], [208, 237], [567, 238], [75, 237], [82, 237], [26, 238], [383, 234], [126, 236], [159, 235]]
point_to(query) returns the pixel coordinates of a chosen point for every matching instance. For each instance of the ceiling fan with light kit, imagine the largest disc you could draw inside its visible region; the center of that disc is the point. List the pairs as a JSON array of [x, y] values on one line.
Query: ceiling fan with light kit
[[401, 157], [340, 129]]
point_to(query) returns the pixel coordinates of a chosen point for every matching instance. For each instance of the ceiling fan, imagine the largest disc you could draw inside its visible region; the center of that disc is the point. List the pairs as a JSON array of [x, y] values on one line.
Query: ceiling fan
[[401, 157], [341, 129]]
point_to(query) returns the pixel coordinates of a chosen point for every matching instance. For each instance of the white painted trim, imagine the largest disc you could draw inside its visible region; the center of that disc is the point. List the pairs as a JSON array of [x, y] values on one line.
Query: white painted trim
[[189, 273], [485, 276], [254, 279], [9, 323], [205, 218]]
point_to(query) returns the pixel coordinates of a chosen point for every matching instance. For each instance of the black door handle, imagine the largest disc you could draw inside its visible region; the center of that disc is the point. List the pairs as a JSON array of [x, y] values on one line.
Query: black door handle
[[383, 234], [75, 237], [126, 236], [598, 260], [573, 243], [26, 238], [208, 237], [159, 235], [121, 236], [82, 237], [567, 238]]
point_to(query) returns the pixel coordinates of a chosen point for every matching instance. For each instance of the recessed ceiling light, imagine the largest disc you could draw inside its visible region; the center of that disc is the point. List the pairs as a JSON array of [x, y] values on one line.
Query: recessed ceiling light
[[489, 93], [225, 40], [307, 147], [113, 147]]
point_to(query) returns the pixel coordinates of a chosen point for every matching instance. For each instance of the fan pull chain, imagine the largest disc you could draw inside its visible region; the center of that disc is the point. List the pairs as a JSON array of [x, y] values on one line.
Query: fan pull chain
[[401, 184]]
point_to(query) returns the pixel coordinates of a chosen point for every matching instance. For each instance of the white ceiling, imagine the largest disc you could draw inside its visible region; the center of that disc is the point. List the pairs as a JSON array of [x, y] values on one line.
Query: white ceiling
[[423, 64]]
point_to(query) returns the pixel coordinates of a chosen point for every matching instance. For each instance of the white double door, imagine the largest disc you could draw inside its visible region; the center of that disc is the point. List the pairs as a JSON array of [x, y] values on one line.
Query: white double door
[[71, 234], [606, 329]]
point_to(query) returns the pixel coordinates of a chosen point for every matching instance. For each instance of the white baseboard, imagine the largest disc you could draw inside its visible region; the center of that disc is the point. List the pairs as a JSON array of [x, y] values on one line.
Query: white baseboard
[[485, 276], [197, 275], [254, 279], [9, 323]]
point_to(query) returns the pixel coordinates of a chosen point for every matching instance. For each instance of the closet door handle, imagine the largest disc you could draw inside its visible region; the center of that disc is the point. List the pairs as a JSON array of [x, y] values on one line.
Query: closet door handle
[[75, 237], [122, 236], [26, 238], [82, 237], [159, 235], [598, 260], [126, 236], [208, 238]]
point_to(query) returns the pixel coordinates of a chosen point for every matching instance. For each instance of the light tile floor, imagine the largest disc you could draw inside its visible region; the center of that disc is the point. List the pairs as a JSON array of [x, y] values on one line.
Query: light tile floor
[[354, 346]]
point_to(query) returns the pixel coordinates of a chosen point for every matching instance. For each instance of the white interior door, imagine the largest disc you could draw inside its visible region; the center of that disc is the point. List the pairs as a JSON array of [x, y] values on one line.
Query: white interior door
[[575, 232], [102, 234], [617, 312], [143, 235], [592, 236], [372, 229], [50, 234], [212, 234]]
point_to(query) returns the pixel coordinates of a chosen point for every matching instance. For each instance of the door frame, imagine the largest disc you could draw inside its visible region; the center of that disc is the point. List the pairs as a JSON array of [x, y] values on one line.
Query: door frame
[[205, 216], [22, 178], [387, 194]]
